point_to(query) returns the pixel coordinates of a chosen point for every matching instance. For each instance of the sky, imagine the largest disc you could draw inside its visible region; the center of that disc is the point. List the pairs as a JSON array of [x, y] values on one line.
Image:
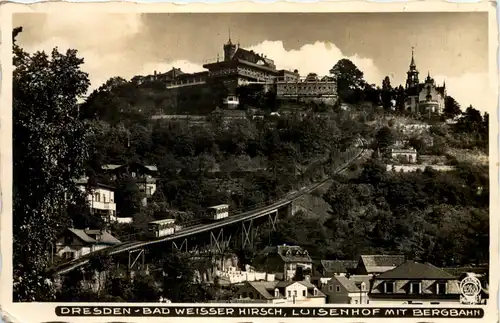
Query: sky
[[453, 47]]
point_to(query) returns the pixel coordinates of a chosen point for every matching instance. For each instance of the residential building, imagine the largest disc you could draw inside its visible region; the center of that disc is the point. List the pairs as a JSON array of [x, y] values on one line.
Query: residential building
[[284, 261], [100, 198], [346, 289], [328, 268], [414, 283], [404, 155], [144, 175], [377, 264], [282, 292], [75, 243]]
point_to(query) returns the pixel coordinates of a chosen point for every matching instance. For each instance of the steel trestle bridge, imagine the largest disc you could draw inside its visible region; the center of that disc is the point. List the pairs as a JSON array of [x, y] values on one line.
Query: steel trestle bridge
[[245, 218]]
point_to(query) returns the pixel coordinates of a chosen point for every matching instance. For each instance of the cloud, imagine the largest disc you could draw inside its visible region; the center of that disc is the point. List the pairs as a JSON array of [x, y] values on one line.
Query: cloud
[[471, 89], [318, 58]]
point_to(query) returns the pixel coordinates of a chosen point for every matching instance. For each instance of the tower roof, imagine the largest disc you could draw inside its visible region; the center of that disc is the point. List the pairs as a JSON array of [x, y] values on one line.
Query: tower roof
[[413, 66]]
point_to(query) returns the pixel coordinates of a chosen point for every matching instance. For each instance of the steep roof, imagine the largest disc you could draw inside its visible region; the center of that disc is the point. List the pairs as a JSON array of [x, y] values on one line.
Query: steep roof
[[415, 270], [252, 57], [90, 236], [338, 266], [289, 253], [381, 263], [263, 288], [353, 285]]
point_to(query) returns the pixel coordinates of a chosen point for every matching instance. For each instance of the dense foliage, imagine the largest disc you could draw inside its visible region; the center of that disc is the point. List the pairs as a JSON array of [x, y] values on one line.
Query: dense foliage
[[439, 217], [430, 216], [49, 151]]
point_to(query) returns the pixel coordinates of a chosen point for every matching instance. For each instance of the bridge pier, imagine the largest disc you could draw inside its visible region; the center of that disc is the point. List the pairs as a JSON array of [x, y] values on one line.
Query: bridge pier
[[247, 236], [136, 258]]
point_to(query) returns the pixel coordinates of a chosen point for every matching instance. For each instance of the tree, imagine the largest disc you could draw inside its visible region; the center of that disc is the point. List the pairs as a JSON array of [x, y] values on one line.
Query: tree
[[128, 197], [49, 151], [384, 138], [386, 93], [451, 108], [349, 80], [179, 280]]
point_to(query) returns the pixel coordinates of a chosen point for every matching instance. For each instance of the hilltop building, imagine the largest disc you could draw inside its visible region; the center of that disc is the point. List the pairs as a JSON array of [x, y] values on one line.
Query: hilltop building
[[425, 98], [240, 67]]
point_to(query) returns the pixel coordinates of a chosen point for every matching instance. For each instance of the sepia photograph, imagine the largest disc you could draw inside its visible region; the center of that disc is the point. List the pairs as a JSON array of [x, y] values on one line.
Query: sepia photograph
[[286, 159]]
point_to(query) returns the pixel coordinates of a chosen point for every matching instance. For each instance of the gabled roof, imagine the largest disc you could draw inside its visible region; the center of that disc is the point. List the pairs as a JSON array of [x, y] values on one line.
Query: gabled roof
[[415, 270], [266, 289], [90, 236], [381, 263], [353, 283], [338, 266], [152, 168], [289, 253], [252, 57]]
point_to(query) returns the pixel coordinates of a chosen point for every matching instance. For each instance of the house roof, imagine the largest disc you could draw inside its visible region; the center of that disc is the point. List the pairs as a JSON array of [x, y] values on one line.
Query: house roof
[[84, 181], [252, 57], [416, 90], [415, 270], [90, 236], [289, 253], [263, 288], [338, 266], [266, 289], [348, 284], [152, 168], [381, 263]]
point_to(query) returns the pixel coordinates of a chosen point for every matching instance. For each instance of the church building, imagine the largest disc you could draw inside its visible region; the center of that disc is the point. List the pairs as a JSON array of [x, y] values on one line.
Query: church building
[[425, 98]]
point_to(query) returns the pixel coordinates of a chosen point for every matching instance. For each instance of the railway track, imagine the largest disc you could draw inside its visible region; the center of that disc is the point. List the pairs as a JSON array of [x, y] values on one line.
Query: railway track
[[199, 228]]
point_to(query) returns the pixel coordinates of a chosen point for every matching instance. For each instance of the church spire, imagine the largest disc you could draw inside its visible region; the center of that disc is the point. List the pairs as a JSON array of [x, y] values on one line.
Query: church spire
[[412, 79], [413, 66]]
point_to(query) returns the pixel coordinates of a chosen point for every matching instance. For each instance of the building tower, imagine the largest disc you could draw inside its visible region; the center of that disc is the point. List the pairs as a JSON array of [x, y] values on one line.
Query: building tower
[[412, 79], [229, 49]]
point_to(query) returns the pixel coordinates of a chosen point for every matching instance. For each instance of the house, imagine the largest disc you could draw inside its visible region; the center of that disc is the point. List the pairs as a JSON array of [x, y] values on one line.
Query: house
[[284, 261], [100, 198], [75, 243], [144, 175], [377, 264], [415, 283], [404, 155], [328, 268], [346, 289], [281, 292]]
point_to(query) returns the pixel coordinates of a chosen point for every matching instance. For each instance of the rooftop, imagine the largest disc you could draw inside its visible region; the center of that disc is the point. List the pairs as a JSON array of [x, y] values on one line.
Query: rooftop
[[94, 236], [415, 270]]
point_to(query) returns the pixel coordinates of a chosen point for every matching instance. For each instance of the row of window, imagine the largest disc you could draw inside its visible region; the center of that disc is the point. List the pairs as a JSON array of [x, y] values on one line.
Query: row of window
[[415, 288], [97, 198]]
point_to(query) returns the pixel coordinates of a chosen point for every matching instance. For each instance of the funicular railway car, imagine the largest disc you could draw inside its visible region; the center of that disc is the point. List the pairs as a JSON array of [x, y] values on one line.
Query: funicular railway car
[[218, 212], [161, 228]]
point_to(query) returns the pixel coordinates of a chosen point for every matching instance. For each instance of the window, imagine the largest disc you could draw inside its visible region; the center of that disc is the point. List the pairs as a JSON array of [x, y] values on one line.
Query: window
[[250, 295], [415, 287], [363, 286], [97, 197], [355, 301], [315, 291], [330, 288], [389, 287], [104, 198], [304, 293], [276, 293], [244, 294], [441, 288], [338, 289]]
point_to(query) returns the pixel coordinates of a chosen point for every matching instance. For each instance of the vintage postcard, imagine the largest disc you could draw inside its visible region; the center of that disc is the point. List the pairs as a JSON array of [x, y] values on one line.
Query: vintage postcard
[[328, 161]]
